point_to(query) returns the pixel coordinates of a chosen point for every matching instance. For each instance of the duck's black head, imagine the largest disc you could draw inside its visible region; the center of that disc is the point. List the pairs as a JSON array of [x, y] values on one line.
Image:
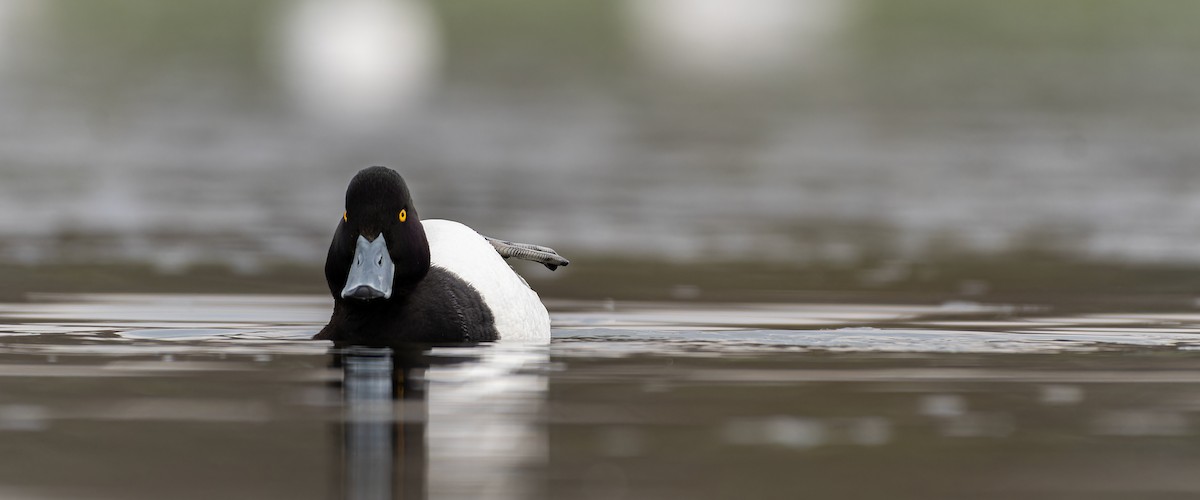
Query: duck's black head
[[379, 247]]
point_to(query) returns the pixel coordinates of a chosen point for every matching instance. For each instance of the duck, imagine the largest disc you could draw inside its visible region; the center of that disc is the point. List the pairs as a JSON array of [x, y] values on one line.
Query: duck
[[397, 278]]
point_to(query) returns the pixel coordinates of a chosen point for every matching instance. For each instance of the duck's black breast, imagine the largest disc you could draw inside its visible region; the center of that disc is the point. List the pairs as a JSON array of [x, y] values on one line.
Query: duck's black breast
[[440, 308]]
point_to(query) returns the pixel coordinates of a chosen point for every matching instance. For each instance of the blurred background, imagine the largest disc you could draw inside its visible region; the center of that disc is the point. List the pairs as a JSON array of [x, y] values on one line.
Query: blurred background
[[674, 148]]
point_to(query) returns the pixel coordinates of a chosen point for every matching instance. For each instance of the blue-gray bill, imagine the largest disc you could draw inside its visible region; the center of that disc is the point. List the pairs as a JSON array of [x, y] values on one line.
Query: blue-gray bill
[[372, 272]]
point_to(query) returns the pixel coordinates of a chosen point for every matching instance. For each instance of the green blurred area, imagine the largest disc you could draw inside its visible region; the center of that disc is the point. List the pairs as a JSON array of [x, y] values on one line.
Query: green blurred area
[[522, 42], [917, 80]]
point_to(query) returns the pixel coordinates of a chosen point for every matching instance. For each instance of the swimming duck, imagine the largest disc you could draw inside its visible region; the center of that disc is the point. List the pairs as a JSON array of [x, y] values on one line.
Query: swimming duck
[[397, 278]]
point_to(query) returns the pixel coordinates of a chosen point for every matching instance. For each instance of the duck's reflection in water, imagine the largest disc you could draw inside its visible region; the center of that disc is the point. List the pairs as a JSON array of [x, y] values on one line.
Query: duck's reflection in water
[[423, 422], [382, 432]]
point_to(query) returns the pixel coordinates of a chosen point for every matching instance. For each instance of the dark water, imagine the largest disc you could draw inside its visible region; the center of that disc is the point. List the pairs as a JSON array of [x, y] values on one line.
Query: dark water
[[221, 396]]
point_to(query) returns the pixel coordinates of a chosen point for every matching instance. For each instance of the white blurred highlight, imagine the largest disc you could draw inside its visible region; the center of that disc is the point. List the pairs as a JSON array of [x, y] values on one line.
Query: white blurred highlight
[[14, 14], [358, 61], [734, 40]]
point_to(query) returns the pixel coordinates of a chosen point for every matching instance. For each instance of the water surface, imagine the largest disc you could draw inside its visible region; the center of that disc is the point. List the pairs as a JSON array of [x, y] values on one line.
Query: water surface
[[223, 396]]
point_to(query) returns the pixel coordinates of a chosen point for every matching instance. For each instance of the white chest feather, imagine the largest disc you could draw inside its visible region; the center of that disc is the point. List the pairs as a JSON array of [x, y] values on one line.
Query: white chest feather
[[519, 313]]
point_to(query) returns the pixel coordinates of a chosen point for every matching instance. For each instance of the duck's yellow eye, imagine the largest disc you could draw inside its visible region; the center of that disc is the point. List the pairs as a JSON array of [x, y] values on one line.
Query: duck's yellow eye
[[403, 215], [344, 217]]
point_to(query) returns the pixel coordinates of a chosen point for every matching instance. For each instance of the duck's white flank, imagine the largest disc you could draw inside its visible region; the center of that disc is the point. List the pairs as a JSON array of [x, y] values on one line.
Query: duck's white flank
[[519, 313]]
